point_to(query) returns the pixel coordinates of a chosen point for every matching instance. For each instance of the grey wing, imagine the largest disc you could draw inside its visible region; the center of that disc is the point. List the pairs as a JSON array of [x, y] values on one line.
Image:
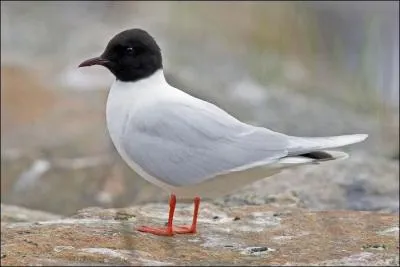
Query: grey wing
[[183, 145]]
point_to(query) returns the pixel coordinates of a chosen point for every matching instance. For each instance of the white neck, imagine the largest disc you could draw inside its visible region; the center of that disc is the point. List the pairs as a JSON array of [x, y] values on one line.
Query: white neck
[[157, 79]]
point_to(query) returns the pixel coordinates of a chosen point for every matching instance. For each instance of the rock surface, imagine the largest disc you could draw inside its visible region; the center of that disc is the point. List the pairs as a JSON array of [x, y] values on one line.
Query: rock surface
[[246, 235]]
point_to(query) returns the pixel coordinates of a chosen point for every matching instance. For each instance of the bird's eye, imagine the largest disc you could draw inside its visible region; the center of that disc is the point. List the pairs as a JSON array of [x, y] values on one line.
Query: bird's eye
[[130, 50]]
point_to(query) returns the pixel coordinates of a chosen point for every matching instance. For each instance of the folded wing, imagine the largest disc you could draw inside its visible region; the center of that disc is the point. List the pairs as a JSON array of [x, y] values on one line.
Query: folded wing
[[183, 144]]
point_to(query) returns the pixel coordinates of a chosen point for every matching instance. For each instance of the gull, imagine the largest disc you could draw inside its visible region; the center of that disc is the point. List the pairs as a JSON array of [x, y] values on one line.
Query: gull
[[189, 147]]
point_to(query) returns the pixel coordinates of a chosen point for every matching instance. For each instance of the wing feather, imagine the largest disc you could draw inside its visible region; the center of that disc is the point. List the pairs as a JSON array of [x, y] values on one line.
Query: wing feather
[[187, 143]]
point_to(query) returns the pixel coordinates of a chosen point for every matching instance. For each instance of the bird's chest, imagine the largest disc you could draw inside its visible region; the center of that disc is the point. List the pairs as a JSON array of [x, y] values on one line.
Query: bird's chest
[[122, 105], [117, 114]]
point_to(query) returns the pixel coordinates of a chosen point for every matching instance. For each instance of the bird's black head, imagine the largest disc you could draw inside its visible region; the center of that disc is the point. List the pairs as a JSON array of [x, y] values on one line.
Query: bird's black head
[[131, 55]]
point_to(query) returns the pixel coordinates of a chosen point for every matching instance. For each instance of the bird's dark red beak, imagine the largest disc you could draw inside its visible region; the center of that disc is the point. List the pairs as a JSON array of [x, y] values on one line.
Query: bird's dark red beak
[[94, 61]]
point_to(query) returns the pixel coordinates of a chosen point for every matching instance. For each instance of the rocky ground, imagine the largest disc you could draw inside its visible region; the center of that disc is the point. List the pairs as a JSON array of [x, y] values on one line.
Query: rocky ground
[[257, 235]]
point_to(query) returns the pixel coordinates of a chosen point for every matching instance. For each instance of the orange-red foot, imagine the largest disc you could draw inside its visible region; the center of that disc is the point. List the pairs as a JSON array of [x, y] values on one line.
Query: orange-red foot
[[184, 229], [169, 230], [156, 231]]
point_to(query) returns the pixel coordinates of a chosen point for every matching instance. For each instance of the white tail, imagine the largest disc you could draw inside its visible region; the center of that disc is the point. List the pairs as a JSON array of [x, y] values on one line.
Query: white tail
[[302, 145]]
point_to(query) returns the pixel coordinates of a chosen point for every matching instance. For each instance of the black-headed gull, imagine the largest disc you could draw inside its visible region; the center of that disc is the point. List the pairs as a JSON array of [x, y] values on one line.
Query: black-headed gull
[[187, 146]]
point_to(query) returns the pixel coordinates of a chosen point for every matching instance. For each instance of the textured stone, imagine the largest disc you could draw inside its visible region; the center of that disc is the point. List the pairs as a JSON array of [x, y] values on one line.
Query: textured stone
[[246, 235]]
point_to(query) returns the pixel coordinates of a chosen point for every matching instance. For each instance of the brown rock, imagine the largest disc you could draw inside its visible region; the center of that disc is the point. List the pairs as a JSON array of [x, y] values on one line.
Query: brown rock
[[264, 235]]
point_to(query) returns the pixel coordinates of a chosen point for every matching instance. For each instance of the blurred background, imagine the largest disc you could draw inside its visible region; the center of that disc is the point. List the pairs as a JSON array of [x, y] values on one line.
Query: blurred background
[[302, 68]]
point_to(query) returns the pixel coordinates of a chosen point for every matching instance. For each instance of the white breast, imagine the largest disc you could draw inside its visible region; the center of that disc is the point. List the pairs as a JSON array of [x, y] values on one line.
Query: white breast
[[124, 99]]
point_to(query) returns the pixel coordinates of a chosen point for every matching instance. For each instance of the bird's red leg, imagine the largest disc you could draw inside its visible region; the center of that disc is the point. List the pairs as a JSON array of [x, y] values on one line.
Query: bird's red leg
[[191, 229], [168, 231]]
